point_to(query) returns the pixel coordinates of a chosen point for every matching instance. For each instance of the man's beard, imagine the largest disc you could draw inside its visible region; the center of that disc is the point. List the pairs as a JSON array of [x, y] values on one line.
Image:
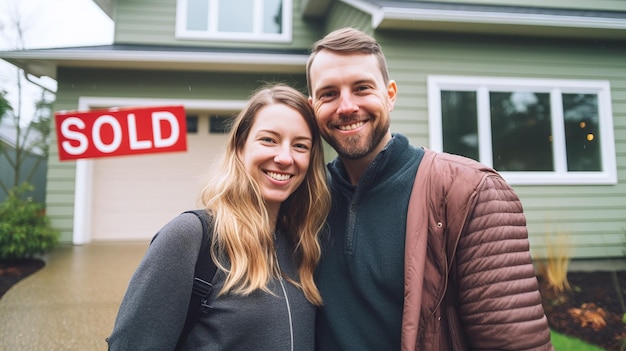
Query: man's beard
[[359, 145]]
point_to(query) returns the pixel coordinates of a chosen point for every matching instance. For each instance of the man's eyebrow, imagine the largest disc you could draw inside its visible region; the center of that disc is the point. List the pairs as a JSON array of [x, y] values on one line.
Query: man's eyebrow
[[364, 81], [325, 87]]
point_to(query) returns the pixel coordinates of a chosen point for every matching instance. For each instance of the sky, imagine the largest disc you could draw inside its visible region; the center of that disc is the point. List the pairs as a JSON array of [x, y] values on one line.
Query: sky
[[48, 24]]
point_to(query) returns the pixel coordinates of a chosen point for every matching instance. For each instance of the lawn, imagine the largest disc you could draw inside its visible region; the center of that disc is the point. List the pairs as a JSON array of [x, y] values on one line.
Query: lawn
[[565, 343]]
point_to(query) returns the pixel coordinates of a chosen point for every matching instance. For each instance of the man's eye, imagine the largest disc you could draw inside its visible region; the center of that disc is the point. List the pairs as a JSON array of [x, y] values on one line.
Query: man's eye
[[327, 95]]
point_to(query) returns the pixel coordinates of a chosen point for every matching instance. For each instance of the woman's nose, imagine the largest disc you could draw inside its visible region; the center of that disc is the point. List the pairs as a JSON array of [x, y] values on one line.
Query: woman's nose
[[284, 156]]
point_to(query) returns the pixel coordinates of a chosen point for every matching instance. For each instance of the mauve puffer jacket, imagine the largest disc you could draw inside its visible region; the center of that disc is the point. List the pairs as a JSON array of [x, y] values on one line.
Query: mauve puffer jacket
[[491, 301]]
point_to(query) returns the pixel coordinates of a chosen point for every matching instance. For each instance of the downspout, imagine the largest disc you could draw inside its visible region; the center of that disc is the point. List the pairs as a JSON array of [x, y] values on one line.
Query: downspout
[[26, 76]]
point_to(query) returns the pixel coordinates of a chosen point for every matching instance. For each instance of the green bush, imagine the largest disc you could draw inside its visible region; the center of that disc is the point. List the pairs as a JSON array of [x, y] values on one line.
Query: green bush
[[25, 229]]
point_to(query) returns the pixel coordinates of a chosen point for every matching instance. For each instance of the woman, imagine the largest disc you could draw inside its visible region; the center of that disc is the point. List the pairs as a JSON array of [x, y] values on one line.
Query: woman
[[267, 202]]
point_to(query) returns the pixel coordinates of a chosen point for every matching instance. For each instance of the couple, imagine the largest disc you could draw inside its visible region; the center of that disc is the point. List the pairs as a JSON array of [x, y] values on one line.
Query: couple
[[418, 251]]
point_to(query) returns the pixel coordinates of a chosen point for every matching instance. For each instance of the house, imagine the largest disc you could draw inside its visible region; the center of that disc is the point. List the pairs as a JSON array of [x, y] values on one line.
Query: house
[[536, 89]]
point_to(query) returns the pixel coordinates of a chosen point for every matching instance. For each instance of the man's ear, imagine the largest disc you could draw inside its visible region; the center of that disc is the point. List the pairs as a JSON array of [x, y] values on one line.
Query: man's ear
[[392, 93]]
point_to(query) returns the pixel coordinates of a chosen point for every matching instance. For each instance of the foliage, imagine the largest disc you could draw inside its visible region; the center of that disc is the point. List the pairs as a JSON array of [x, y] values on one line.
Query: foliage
[[25, 229], [31, 132], [565, 343], [589, 315], [618, 288], [42, 123], [4, 104], [554, 267], [5, 107], [31, 139]]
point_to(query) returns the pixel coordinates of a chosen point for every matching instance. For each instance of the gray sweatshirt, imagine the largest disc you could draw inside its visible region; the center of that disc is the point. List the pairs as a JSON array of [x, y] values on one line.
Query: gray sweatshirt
[[154, 307]]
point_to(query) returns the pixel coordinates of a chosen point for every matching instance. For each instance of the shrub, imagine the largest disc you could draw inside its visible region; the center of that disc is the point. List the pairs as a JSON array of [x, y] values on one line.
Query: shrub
[[25, 229], [554, 267]]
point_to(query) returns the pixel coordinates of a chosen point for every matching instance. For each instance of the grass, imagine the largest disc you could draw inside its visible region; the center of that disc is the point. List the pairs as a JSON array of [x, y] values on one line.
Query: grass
[[565, 343]]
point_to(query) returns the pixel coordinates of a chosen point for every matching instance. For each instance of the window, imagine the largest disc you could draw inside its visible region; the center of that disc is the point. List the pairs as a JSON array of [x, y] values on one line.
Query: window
[[220, 124], [234, 20], [532, 131], [192, 124]]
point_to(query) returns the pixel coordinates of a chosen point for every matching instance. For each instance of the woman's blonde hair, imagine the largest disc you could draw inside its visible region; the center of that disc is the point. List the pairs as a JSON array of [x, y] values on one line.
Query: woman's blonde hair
[[242, 233]]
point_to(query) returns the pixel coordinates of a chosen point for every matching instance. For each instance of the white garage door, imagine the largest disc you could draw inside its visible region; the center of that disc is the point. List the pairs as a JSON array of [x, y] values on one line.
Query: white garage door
[[134, 196]]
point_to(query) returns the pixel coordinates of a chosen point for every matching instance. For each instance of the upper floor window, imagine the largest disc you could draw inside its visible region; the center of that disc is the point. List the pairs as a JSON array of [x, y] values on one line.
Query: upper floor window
[[234, 20], [532, 131]]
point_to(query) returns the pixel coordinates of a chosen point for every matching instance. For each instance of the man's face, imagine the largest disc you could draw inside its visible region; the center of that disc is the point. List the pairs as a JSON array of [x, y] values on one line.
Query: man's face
[[351, 102]]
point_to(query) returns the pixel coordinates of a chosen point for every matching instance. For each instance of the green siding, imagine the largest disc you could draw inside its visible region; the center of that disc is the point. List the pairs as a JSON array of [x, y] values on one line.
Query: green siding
[[61, 178], [154, 22], [74, 83], [593, 216], [341, 15]]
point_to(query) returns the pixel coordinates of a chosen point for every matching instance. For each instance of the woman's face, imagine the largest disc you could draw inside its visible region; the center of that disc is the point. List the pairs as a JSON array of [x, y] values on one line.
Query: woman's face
[[277, 152]]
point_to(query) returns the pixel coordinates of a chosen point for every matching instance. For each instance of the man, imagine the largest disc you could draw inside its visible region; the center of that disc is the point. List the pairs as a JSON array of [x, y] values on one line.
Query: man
[[426, 251]]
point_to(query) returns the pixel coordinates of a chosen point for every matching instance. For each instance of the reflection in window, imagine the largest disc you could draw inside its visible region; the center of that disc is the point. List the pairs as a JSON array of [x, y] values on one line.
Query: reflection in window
[[235, 16], [521, 131], [582, 132], [273, 16], [196, 15], [460, 123]]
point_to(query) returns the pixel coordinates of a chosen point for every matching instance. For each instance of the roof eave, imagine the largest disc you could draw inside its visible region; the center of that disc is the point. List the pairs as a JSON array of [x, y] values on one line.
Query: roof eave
[[45, 62], [499, 23], [106, 6]]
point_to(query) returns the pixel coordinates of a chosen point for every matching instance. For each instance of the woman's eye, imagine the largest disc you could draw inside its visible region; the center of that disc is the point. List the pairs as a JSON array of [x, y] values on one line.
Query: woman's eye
[[266, 140], [302, 146]]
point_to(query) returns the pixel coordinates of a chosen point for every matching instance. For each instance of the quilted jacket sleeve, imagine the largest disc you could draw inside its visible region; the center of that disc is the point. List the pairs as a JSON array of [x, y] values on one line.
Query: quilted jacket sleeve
[[500, 305]]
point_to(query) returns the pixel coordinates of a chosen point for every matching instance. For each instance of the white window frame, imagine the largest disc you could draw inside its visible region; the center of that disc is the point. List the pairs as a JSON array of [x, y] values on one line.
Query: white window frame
[[555, 87], [213, 34]]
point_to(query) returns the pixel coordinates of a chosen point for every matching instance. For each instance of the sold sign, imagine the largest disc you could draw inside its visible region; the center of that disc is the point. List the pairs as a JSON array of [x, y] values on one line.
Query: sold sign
[[121, 132]]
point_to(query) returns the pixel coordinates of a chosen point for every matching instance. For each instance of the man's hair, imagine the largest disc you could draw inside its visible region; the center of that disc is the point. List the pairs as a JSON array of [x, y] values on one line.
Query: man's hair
[[348, 40]]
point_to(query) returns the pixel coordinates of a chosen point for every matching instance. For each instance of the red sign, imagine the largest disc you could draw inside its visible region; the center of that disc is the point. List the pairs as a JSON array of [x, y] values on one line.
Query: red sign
[[118, 132]]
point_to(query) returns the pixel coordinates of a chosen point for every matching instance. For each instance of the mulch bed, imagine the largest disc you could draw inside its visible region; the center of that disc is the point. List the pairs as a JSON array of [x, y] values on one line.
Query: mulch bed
[[591, 310], [12, 271]]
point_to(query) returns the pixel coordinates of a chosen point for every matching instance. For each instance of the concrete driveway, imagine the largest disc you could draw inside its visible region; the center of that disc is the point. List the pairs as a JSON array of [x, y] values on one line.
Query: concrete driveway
[[71, 303]]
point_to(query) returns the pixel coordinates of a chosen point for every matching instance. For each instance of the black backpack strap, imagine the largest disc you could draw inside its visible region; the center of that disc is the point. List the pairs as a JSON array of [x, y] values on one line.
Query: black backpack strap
[[204, 271]]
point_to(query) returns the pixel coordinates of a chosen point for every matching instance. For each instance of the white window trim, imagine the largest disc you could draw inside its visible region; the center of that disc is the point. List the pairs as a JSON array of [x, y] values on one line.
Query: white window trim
[[556, 87], [213, 34]]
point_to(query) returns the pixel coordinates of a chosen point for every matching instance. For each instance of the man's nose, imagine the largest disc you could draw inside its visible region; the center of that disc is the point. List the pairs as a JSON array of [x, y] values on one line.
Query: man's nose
[[347, 104]]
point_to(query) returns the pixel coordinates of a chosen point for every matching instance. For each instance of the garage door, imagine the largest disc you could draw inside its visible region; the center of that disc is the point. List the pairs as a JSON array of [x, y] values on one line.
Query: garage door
[[134, 196]]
